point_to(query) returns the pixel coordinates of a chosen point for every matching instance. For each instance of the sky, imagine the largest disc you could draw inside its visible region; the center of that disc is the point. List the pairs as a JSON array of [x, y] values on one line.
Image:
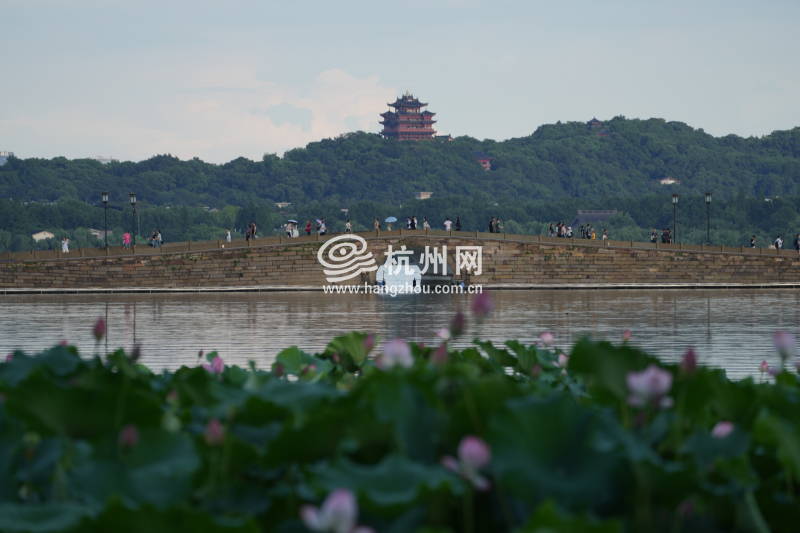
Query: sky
[[223, 79]]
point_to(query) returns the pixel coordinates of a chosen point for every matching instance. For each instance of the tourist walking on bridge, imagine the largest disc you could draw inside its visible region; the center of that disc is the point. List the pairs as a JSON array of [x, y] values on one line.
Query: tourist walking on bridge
[[458, 223], [65, 245], [797, 243], [779, 243], [753, 241], [448, 224]]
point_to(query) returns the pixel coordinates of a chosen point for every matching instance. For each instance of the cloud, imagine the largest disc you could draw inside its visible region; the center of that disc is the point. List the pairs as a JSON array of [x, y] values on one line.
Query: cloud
[[213, 110]]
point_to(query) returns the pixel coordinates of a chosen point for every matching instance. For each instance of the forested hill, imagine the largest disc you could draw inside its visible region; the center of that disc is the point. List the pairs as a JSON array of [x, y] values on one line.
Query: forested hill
[[623, 158]]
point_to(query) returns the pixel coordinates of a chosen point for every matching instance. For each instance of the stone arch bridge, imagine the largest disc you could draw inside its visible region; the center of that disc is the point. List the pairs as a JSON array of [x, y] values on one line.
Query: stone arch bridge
[[508, 261]]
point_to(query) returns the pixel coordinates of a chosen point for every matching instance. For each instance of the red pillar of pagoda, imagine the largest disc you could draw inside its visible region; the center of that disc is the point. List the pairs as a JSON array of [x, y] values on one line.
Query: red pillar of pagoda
[[407, 122]]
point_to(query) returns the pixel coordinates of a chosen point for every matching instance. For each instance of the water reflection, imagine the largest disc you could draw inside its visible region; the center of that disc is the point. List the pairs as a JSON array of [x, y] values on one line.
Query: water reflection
[[729, 329]]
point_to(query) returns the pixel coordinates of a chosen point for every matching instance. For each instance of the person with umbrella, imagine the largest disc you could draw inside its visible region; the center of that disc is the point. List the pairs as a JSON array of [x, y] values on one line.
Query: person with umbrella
[[389, 221], [291, 228], [308, 227]]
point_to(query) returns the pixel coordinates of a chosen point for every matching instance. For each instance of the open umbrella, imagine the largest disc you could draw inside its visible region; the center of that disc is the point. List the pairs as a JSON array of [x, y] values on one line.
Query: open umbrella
[[391, 219], [293, 221]]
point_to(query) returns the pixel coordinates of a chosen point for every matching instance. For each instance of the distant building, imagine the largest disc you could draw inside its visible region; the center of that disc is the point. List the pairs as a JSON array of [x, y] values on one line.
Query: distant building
[[4, 157], [597, 127], [42, 236], [104, 160], [282, 205], [669, 180], [423, 195], [407, 122], [484, 161], [592, 216], [444, 138]]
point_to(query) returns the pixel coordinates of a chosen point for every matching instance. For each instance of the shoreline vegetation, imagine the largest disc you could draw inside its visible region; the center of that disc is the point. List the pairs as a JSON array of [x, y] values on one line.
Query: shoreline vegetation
[[628, 166], [399, 437]]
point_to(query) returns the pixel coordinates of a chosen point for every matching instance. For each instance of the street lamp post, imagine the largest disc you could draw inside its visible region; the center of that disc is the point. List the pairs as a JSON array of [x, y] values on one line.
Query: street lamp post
[[132, 197], [104, 197], [674, 218], [708, 218]]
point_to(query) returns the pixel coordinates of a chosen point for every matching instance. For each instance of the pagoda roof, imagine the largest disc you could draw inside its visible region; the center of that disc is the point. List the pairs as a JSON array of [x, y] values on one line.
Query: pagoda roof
[[407, 123], [407, 101]]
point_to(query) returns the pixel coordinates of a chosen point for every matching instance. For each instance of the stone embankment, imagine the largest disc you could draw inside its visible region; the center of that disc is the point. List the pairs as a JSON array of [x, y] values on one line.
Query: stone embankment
[[509, 261]]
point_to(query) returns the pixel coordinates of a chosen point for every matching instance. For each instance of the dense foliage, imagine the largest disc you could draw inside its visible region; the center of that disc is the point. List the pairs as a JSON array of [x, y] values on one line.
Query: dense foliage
[[534, 180], [489, 438]]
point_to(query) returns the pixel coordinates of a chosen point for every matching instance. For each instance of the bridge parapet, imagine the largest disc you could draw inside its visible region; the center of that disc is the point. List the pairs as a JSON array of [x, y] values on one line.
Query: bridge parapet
[[508, 261], [271, 241]]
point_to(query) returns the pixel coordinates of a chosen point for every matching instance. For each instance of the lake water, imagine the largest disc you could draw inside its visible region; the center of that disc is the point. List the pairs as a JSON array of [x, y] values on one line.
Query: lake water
[[731, 329]]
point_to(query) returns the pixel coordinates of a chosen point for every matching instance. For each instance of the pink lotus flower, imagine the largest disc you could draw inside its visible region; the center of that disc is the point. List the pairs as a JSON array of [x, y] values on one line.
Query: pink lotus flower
[[443, 334], [440, 355], [626, 335], [563, 360], [689, 361], [217, 365], [9, 357], [763, 367], [482, 305], [128, 436], [339, 514], [458, 324], [784, 341], [63, 342], [278, 370], [722, 429], [99, 329], [536, 371], [214, 433], [369, 343], [547, 338], [396, 352], [473, 454], [649, 386]]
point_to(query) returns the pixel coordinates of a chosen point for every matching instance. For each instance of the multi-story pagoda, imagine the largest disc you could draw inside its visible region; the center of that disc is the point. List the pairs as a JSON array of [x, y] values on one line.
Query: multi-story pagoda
[[407, 122]]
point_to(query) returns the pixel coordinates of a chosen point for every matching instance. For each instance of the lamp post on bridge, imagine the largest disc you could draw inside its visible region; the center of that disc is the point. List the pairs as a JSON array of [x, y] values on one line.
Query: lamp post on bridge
[[674, 218], [132, 197], [708, 218], [104, 197]]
